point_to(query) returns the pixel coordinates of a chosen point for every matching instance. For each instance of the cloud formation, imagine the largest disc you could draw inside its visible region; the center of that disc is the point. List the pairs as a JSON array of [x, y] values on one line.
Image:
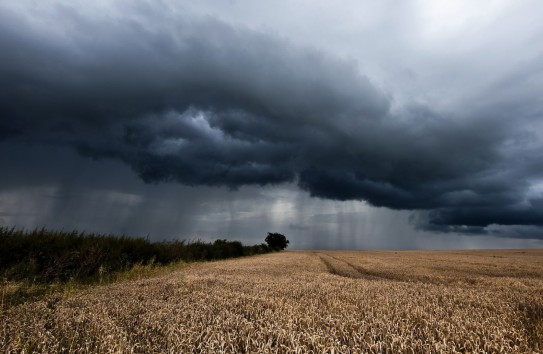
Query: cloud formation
[[199, 101]]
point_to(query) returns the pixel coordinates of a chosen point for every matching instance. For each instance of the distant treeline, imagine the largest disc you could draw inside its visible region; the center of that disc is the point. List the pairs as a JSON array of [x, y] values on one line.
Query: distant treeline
[[45, 255]]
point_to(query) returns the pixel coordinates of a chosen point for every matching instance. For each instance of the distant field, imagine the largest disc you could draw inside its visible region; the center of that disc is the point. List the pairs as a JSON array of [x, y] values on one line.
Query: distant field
[[292, 302]]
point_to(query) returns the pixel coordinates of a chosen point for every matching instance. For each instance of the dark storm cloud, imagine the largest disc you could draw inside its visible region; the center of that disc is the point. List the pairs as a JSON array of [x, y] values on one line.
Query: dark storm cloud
[[531, 214], [203, 102]]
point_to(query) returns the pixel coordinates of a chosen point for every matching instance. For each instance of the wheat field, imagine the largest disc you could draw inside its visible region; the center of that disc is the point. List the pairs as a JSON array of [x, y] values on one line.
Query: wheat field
[[301, 302]]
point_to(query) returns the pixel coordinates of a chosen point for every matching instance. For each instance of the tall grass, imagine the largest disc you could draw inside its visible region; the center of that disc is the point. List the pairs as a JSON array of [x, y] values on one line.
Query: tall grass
[[45, 256]]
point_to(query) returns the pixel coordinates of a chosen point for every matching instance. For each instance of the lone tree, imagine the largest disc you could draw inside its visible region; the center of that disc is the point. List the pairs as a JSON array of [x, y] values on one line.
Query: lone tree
[[277, 241]]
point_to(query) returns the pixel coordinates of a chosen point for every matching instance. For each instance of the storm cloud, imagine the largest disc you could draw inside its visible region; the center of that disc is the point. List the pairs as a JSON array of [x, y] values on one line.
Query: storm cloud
[[201, 101]]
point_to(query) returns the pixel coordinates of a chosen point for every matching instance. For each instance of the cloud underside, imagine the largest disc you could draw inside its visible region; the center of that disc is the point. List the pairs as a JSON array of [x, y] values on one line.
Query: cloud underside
[[202, 102]]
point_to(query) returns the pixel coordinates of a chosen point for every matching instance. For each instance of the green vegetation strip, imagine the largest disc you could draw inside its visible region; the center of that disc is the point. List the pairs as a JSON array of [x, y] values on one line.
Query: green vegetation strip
[[36, 263]]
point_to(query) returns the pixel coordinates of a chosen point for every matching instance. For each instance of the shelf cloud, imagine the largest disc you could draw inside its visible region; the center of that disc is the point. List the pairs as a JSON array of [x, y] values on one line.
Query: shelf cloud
[[198, 100]]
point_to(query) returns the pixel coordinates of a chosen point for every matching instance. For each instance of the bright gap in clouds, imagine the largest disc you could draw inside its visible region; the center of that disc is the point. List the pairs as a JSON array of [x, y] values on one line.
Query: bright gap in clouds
[[443, 18]]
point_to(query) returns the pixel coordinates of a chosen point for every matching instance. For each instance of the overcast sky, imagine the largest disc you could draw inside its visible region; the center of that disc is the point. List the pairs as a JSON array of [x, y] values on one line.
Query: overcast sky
[[341, 124]]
